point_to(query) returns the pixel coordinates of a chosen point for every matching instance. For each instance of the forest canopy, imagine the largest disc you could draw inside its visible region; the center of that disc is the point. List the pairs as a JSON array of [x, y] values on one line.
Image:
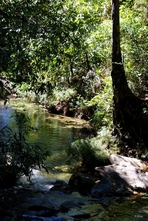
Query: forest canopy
[[62, 51]]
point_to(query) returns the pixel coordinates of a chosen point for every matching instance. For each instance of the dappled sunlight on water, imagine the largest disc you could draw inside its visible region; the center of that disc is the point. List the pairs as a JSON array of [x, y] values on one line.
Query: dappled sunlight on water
[[51, 131]]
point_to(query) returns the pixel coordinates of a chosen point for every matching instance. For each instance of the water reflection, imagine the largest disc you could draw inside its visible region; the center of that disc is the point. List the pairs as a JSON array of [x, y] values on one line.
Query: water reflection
[[53, 132], [5, 116]]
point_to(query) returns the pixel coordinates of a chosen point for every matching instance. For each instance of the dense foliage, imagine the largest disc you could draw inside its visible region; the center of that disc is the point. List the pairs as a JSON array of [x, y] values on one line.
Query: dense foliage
[[51, 46], [89, 153], [60, 50]]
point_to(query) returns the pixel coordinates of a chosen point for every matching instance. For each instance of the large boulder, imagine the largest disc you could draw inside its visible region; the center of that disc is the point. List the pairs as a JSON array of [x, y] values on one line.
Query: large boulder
[[116, 159], [124, 174], [81, 182]]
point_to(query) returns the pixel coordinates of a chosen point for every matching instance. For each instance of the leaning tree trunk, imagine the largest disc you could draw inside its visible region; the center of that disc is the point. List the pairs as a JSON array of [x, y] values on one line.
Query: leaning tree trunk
[[128, 116]]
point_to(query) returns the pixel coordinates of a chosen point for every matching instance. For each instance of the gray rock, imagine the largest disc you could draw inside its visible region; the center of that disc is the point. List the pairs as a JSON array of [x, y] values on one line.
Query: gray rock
[[42, 211], [122, 160], [124, 174]]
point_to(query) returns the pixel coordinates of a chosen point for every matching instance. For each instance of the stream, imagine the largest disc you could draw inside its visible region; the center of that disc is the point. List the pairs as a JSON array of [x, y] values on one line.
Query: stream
[[36, 201], [51, 131]]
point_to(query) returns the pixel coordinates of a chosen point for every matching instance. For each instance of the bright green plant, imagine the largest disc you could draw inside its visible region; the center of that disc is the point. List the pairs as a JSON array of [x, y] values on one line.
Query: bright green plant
[[102, 105], [47, 37], [64, 95], [134, 43], [88, 154]]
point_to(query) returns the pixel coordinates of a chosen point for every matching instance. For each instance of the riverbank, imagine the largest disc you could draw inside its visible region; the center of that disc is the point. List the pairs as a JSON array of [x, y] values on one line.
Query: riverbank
[[46, 200], [57, 201]]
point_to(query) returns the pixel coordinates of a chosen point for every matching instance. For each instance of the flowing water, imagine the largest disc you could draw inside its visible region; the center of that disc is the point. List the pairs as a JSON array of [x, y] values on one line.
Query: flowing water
[[57, 133]]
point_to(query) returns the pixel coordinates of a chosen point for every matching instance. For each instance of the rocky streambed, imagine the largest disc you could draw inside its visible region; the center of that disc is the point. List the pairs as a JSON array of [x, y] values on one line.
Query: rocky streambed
[[117, 192]]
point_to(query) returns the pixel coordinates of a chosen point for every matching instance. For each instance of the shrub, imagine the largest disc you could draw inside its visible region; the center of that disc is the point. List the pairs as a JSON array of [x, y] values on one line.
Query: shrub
[[18, 157], [102, 105], [88, 154]]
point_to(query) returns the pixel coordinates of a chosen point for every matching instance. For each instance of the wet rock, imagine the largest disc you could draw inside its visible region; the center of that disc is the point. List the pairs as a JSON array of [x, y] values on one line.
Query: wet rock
[[124, 192], [68, 205], [81, 216], [102, 188], [60, 185], [38, 208], [86, 212], [30, 218], [104, 200], [81, 182], [42, 211], [115, 184]]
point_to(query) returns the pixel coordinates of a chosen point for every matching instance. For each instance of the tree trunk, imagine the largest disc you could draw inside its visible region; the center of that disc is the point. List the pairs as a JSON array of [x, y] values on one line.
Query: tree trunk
[[128, 116]]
